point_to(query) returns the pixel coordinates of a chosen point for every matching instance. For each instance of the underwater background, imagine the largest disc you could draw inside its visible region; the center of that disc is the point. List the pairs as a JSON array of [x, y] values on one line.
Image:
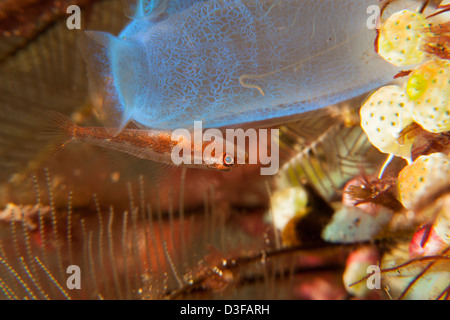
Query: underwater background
[[144, 230]]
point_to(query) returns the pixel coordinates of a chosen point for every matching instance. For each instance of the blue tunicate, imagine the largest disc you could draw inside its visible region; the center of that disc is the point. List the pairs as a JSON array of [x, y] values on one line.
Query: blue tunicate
[[228, 62]]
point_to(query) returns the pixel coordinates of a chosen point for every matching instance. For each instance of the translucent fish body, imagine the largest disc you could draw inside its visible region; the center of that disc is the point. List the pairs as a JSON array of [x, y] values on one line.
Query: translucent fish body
[[157, 145], [228, 62]]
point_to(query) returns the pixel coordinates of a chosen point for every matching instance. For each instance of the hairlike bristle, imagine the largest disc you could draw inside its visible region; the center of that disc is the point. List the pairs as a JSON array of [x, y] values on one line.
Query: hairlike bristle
[[45, 64], [138, 256], [121, 256], [142, 255]]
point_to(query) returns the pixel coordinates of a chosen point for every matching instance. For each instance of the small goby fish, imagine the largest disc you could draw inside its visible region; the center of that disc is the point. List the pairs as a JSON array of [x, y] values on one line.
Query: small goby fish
[[155, 145], [233, 62]]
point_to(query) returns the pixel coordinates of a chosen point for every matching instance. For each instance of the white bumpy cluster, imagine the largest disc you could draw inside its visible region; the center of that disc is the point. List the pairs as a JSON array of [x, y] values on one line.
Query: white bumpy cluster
[[424, 97]]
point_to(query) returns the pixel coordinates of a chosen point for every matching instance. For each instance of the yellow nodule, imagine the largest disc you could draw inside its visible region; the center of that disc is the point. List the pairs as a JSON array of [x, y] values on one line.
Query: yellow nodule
[[416, 86]]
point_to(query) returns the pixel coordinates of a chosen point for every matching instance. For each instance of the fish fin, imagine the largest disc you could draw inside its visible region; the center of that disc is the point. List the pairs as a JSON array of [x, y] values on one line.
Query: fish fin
[[59, 130], [133, 126], [59, 124]]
